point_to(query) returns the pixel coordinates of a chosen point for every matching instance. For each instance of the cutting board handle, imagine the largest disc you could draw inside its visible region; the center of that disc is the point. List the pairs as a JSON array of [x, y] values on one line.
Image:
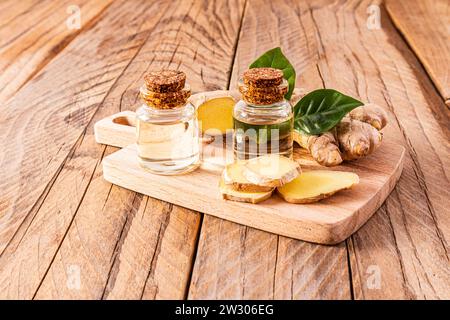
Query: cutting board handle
[[118, 130]]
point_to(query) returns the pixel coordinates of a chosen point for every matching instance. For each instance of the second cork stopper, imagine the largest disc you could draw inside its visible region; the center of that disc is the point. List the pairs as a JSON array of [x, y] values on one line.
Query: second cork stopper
[[263, 86], [165, 89]]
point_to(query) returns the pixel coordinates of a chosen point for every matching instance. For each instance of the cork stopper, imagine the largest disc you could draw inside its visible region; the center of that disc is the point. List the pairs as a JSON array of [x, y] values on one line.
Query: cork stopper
[[165, 89], [165, 80], [263, 77], [263, 86]]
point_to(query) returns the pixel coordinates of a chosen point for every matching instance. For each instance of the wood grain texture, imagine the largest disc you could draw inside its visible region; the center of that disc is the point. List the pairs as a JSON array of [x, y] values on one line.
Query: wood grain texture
[[157, 254], [425, 24], [124, 231], [41, 124], [330, 221], [338, 52], [310, 271], [32, 33], [244, 272], [277, 268], [268, 24], [377, 66], [31, 238], [330, 46]]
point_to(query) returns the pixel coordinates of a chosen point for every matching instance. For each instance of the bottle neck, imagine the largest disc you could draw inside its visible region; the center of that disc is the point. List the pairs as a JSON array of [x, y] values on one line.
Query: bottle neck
[[155, 115], [174, 112], [275, 107]]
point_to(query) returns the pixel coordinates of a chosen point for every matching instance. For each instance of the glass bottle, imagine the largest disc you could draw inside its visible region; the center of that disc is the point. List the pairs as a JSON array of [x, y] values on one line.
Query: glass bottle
[[263, 120], [167, 127]]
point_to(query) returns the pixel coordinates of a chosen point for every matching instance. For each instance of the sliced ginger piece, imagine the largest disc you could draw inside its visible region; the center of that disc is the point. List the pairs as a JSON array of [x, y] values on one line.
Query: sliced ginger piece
[[313, 186], [229, 193], [215, 111], [232, 175], [271, 170]]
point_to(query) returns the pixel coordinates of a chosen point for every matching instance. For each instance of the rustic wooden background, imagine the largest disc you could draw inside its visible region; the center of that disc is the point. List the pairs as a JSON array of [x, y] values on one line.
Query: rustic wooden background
[[67, 233]]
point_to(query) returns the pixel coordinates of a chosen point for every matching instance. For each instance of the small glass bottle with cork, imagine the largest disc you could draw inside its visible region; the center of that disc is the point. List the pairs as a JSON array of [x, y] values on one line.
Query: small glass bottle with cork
[[263, 119], [167, 128]]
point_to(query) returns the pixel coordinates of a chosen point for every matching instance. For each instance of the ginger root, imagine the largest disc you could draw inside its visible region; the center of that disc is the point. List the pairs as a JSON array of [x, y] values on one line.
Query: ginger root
[[370, 113], [356, 136], [323, 148], [357, 139]]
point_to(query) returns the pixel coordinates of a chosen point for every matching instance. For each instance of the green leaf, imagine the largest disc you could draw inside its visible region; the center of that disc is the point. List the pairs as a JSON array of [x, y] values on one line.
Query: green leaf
[[321, 110], [274, 58]]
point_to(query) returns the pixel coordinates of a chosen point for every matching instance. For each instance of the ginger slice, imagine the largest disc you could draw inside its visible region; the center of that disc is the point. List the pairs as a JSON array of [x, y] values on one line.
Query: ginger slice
[[313, 186], [229, 193], [215, 111], [232, 175], [271, 170]]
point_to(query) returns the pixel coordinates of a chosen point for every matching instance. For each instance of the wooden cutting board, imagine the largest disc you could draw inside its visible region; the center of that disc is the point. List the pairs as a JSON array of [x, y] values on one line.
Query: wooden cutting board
[[329, 221]]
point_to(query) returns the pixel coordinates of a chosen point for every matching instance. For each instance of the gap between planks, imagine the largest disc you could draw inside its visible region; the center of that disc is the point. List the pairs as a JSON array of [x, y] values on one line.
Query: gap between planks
[[278, 241], [66, 238]]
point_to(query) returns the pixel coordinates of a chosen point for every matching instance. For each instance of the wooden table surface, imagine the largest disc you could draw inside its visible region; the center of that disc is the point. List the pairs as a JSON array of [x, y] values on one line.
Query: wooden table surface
[[67, 233]]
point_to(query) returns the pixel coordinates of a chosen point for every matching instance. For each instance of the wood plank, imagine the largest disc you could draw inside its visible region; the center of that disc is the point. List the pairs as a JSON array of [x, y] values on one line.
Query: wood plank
[[157, 254], [425, 24], [408, 241], [413, 256], [411, 228], [10, 10], [126, 245], [308, 271], [238, 262], [32, 148], [32, 152], [374, 239], [32, 33], [35, 216], [278, 268], [233, 262]]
